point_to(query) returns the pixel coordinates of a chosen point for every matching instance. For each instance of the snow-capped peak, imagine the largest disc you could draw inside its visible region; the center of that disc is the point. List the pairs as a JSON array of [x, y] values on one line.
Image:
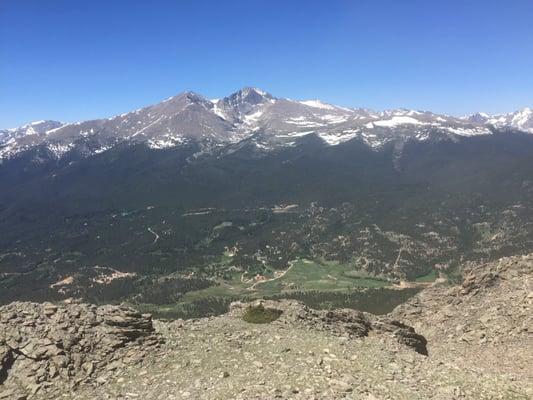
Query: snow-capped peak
[[237, 107], [521, 119], [249, 95], [39, 126], [32, 128], [260, 92], [478, 118]]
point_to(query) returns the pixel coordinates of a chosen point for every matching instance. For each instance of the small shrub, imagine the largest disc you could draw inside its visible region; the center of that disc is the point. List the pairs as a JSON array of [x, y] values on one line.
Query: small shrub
[[261, 315]]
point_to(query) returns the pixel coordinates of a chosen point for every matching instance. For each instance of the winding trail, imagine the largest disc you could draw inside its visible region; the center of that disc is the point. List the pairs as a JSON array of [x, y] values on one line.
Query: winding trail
[[155, 234], [398, 258]]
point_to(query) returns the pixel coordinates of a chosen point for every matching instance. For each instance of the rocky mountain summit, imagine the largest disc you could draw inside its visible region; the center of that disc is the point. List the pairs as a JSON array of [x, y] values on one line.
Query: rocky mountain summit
[[472, 341]]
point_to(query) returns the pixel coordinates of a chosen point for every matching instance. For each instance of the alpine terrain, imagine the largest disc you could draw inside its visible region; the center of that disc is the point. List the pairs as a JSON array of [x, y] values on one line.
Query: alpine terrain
[[262, 247]]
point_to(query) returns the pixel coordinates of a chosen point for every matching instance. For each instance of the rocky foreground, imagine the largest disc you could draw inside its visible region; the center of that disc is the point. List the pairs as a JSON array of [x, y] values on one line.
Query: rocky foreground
[[470, 341]]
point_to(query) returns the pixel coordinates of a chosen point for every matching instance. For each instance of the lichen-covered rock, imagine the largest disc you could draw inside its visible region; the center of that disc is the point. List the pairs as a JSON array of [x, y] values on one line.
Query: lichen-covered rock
[[44, 346]]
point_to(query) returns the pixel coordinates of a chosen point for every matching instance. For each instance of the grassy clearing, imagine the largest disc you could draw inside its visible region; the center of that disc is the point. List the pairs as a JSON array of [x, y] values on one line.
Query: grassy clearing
[[302, 275], [311, 279], [311, 275]]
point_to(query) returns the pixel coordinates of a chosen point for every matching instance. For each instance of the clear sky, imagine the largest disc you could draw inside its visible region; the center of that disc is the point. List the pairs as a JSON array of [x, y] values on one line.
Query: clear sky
[[80, 59]]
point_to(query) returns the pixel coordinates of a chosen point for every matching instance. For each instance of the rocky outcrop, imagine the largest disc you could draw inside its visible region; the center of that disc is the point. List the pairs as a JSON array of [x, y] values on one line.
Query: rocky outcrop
[[341, 322], [485, 323], [492, 304], [475, 282], [405, 334], [44, 346]]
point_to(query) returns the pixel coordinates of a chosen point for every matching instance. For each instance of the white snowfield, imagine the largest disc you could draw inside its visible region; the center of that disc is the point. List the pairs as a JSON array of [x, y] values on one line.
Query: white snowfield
[[251, 114], [318, 104], [397, 120]]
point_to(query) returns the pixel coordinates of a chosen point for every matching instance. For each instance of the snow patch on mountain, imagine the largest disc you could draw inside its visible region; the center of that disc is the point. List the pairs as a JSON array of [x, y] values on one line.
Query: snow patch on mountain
[[468, 131], [295, 134], [252, 118], [397, 120], [218, 111], [303, 122], [522, 118], [333, 119], [334, 139], [165, 142], [58, 149], [318, 104]]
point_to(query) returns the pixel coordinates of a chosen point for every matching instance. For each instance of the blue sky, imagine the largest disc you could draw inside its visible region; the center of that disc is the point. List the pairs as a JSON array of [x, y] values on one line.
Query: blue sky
[[72, 60]]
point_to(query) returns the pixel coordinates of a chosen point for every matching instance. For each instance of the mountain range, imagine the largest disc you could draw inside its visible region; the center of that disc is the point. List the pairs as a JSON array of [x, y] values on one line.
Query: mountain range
[[249, 115]]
